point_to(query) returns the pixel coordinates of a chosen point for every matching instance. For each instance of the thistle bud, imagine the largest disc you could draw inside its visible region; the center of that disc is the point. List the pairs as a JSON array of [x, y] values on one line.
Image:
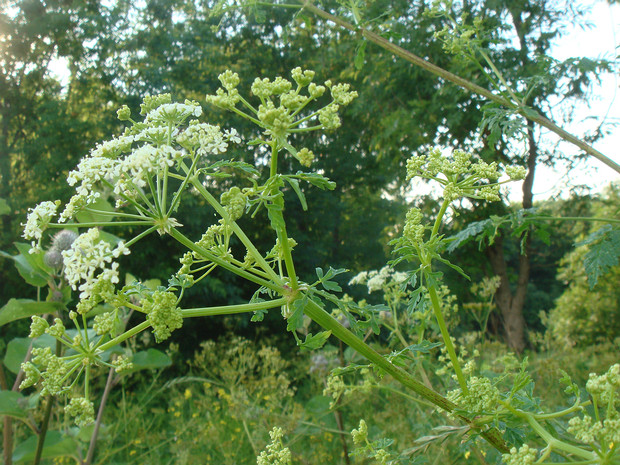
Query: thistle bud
[[53, 258], [63, 239]]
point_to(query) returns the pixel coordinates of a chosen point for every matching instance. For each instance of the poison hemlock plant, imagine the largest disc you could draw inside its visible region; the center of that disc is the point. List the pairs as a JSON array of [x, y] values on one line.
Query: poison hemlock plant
[[147, 171]]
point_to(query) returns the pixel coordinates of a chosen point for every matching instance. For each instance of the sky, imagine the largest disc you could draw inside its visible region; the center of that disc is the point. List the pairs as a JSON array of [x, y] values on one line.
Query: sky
[[600, 41]]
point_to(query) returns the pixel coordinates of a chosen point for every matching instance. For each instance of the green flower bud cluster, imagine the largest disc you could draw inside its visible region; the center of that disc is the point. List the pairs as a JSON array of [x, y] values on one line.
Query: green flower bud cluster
[[187, 260], [215, 240], [360, 435], [305, 157], [275, 453], [414, 229], [459, 175], [280, 105], [276, 251], [605, 392], [38, 326], [57, 330], [370, 449], [524, 456], [47, 366], [124, 113], [151, 102], [605, 432], [334, 388], [163, 314], [605, 388], [459, 37], [82, 410], [122, 364], [482, 396], [235, 202], [104, 323], [210, 238]]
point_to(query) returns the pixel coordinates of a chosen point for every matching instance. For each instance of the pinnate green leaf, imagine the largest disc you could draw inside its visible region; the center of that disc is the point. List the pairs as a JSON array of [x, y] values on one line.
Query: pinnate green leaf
[[603, 254], [316, 341], [29, 266]]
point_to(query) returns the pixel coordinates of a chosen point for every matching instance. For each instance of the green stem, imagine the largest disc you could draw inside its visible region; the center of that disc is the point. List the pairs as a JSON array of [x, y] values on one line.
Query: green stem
[[432, 291], [98, 224], [223, 263], [232, 309], [144, 233], [129, 200], [500, 76], [43, 431], [328, 322], [547, 437], [123, 337], [177, 195], [561, 413], [245, 240], [115, 213], [157, 210], [281, 232], [249, 436], [442, 211]]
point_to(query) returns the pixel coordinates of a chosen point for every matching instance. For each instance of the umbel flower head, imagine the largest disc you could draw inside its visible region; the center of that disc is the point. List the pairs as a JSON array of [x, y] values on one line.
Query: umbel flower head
[[131, 166], [460, 175], [275, 453], [282, 104]]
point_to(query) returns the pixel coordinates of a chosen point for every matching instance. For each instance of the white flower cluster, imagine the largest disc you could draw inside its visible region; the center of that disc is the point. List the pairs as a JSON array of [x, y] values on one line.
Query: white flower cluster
[[174, 113], [206, 139], [126, 164], [376, 280], [89, 254], [38, 219]]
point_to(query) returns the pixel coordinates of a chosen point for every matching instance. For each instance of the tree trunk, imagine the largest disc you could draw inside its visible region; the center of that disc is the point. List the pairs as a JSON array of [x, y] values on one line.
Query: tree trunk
[[511, 304]]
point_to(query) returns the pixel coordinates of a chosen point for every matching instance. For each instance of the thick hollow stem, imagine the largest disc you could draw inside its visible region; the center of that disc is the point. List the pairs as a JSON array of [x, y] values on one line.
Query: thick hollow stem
[[233, 309], [432, 292]]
